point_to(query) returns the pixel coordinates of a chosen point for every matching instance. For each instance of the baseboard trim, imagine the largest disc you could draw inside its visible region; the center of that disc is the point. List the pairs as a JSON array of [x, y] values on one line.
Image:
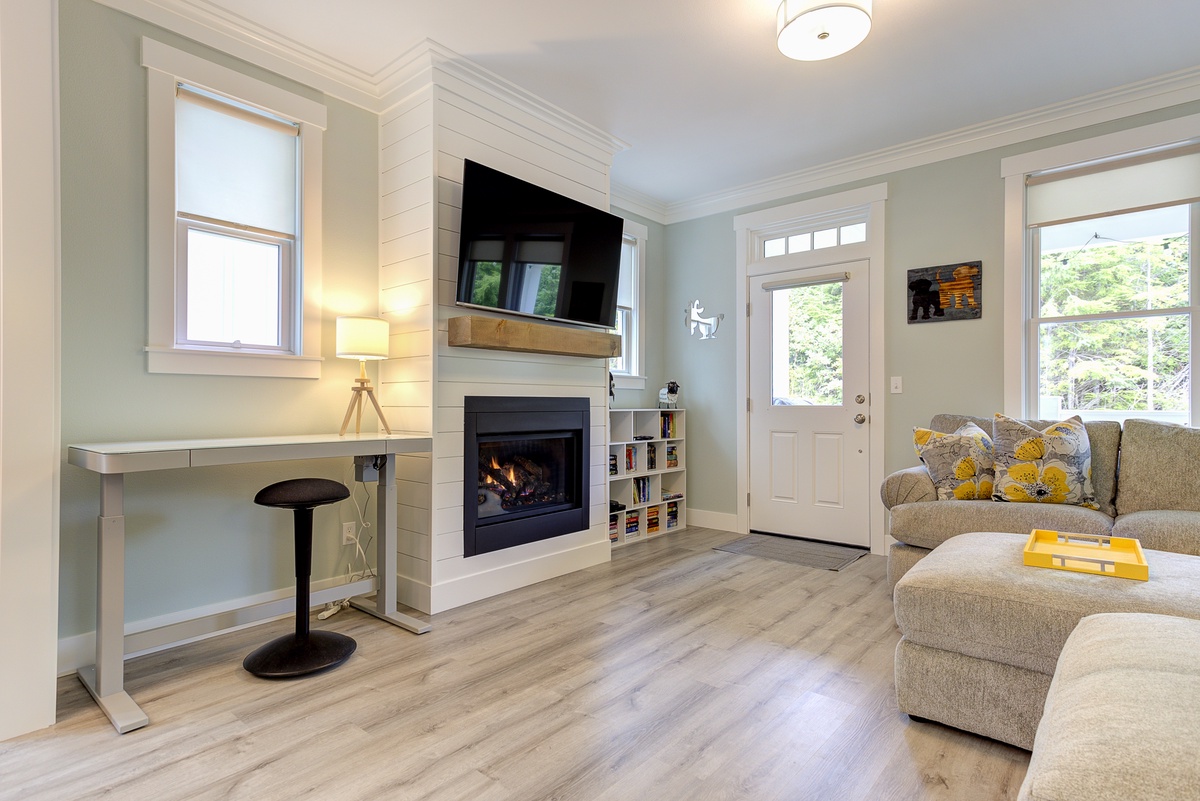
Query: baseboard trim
[[718, 520], [190, 625], [486, 584]]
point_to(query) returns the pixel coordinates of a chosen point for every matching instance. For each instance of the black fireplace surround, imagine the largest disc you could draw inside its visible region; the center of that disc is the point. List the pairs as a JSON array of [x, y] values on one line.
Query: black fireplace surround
[[525, 470]]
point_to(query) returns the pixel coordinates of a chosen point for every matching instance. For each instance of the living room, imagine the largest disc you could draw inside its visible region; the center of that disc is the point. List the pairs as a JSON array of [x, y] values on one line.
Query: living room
[[945, 201]]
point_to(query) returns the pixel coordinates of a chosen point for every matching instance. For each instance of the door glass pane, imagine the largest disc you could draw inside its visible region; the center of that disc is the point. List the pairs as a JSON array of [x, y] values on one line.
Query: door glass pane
[[806, 345], [1114, 369], [1126, 262]]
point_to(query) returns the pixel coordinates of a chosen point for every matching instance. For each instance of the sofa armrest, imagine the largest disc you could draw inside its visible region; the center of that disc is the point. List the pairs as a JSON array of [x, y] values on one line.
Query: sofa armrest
[[910, 485]]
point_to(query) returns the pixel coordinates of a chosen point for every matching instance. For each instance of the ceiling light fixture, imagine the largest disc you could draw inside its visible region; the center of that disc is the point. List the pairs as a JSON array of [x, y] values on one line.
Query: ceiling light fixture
[[811, 30]]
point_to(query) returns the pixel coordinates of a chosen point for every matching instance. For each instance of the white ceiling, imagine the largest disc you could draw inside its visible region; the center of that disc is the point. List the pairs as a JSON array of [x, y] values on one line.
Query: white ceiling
[[705, 101]]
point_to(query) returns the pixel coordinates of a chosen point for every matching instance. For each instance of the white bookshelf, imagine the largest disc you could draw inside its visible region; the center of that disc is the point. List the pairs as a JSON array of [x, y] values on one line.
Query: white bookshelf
[[647, 458]]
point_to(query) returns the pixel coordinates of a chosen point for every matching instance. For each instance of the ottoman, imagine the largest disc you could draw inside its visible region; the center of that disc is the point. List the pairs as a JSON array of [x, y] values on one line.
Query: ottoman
[[982, 632], [1122, 721]]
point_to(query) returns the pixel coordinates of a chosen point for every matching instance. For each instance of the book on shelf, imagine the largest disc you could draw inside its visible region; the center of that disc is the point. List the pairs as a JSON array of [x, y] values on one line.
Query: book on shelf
[[672, 514], [667, 425], [652, 520], [651, 456], [671, 496], [630, 458], [612, 528], [612, 464], [641, 490], [631, 525], [672, 455]]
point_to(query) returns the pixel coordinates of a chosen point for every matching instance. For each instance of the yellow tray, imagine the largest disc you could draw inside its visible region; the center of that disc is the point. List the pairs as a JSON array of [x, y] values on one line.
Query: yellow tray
[[1082, 553]]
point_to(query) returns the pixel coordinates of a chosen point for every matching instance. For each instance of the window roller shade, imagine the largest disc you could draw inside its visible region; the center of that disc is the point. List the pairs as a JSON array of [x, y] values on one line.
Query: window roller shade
[[1091, 192], [234, 165], [625, 283]]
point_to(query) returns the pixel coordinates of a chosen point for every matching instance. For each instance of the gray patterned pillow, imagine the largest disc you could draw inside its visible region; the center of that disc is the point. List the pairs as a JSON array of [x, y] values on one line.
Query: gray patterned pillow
[[960, 464], [1049, 466]]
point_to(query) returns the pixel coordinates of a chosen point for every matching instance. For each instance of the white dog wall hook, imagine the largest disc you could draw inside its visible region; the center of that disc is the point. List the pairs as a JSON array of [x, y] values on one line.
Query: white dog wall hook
[[707, 326]]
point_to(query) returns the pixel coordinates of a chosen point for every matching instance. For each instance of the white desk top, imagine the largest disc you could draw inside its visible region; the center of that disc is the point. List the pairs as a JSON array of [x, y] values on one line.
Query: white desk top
[[134, 457]]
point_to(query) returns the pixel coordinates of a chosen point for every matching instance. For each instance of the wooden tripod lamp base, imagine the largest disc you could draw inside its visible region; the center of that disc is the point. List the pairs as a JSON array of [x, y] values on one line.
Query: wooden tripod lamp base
[[356, 405], [362, 338]]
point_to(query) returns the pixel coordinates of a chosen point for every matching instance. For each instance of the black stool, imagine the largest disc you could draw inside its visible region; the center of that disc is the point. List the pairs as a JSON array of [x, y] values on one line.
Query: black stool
[[305, 651]]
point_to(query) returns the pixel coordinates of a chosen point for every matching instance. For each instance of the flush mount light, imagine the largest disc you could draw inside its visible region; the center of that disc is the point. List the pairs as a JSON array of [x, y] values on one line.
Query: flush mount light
[[811, 30]]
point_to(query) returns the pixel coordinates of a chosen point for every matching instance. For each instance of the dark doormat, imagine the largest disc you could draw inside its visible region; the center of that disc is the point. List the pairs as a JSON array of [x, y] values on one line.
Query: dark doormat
[[821, 555]]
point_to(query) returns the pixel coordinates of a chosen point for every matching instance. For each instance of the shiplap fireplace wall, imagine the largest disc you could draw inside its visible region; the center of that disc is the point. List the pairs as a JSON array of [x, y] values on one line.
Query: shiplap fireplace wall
[[449, 110]]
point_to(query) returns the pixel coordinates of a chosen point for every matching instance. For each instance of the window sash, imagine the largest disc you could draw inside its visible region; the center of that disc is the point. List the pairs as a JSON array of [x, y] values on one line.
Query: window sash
[[628, 302], [1038, 325], [286, 328]]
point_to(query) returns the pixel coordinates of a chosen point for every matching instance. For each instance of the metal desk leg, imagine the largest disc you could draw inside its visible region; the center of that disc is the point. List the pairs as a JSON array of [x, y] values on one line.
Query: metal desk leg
[[383, 605], [106, 679]]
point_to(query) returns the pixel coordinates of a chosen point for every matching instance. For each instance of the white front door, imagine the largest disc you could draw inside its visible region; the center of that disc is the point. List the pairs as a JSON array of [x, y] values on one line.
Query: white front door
[[809, 403]]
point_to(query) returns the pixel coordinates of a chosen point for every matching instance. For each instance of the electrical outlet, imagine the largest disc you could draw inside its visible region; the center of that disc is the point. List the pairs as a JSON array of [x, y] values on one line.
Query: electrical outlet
[[348, 534]]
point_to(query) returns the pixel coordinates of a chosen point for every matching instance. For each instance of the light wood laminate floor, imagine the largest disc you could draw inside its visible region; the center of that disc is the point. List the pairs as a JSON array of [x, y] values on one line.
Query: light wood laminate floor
[[674, 672]]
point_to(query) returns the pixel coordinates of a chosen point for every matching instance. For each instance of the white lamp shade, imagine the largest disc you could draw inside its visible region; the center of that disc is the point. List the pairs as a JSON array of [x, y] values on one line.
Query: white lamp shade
[[811, 30], [362, 338]]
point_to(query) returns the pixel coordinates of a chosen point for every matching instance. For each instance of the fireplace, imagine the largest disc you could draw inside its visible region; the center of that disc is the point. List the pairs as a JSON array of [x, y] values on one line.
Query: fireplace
[[525, 475]]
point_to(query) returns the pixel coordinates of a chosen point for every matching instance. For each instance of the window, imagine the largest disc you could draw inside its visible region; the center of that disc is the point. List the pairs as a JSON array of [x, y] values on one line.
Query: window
[[627, 368], [234, 223], [1110, 292], [826, 236]]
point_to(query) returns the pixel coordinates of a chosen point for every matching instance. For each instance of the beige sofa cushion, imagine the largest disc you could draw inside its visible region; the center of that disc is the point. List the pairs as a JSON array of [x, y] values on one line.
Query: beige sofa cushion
[[1158, 467], [928, 525], [1162, 531], [1122, 718]]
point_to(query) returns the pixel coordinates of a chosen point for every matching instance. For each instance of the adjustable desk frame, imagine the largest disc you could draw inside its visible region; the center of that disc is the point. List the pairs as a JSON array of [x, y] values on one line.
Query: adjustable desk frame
[[106, 679]]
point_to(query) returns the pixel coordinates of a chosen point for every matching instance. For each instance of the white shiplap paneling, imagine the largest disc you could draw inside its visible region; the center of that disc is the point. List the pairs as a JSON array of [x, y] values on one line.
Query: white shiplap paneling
[[423, 143]]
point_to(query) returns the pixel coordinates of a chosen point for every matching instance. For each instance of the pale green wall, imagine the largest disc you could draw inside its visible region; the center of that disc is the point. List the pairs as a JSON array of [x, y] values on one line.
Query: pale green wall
[[948, 211], [194, 537]]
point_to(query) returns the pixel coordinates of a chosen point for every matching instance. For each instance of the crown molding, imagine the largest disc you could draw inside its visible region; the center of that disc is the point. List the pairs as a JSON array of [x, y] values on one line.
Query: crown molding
[[377, 92], [627, 199], [239, 37], [1112, 104], [420, 66]]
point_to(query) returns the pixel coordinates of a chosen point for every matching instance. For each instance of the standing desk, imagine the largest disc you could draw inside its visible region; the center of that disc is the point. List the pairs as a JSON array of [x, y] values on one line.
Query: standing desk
[[106, 679]]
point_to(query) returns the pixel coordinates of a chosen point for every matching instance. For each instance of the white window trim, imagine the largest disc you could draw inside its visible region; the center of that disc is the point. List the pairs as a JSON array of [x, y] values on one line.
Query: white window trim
[[1020, 341], [636, 379], [166, 66]]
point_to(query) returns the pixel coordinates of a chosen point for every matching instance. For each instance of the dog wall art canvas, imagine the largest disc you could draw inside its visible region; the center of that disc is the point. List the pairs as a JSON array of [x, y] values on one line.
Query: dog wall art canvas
[[948, 292]]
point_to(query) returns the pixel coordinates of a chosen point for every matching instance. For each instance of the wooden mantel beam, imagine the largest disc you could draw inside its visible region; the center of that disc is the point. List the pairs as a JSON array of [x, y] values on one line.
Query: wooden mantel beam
[[494, 333]]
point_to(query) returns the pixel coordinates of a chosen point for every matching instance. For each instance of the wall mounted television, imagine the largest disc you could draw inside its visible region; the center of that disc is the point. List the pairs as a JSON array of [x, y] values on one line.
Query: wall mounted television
[[526, 250]]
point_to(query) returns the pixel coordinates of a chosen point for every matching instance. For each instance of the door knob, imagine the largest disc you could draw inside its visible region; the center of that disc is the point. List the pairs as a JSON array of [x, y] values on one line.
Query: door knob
[[860, 418]]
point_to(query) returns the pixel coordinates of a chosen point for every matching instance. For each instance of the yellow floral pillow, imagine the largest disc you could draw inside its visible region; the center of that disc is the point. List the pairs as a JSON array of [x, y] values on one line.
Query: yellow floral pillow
[[960, 464], [1049, 466]]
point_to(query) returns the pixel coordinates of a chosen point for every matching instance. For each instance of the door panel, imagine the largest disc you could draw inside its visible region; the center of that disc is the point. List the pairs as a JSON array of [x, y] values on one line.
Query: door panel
[[785, 475], [809, 378]]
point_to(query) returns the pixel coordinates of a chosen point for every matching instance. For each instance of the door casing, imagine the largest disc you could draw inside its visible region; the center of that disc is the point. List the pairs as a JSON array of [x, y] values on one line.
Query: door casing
[[749, 228]]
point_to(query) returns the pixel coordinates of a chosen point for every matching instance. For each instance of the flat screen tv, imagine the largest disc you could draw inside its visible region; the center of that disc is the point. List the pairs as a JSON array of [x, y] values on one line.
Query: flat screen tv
[[529, 251]]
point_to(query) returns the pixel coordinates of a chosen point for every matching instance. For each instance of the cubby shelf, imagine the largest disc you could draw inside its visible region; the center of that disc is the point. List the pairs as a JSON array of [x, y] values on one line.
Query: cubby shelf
[[647, 473]]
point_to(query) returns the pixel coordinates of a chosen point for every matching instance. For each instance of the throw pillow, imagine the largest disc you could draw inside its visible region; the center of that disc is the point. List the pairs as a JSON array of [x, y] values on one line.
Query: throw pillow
[[960, 464], [1157, 460], [1049, 466]]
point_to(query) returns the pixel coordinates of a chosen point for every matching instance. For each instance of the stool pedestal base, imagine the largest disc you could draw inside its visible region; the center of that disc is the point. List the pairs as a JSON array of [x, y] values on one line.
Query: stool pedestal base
[[292, 655]]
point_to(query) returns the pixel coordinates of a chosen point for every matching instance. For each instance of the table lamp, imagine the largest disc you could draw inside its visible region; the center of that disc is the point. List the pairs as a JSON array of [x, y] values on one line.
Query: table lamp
[[362, 338]]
